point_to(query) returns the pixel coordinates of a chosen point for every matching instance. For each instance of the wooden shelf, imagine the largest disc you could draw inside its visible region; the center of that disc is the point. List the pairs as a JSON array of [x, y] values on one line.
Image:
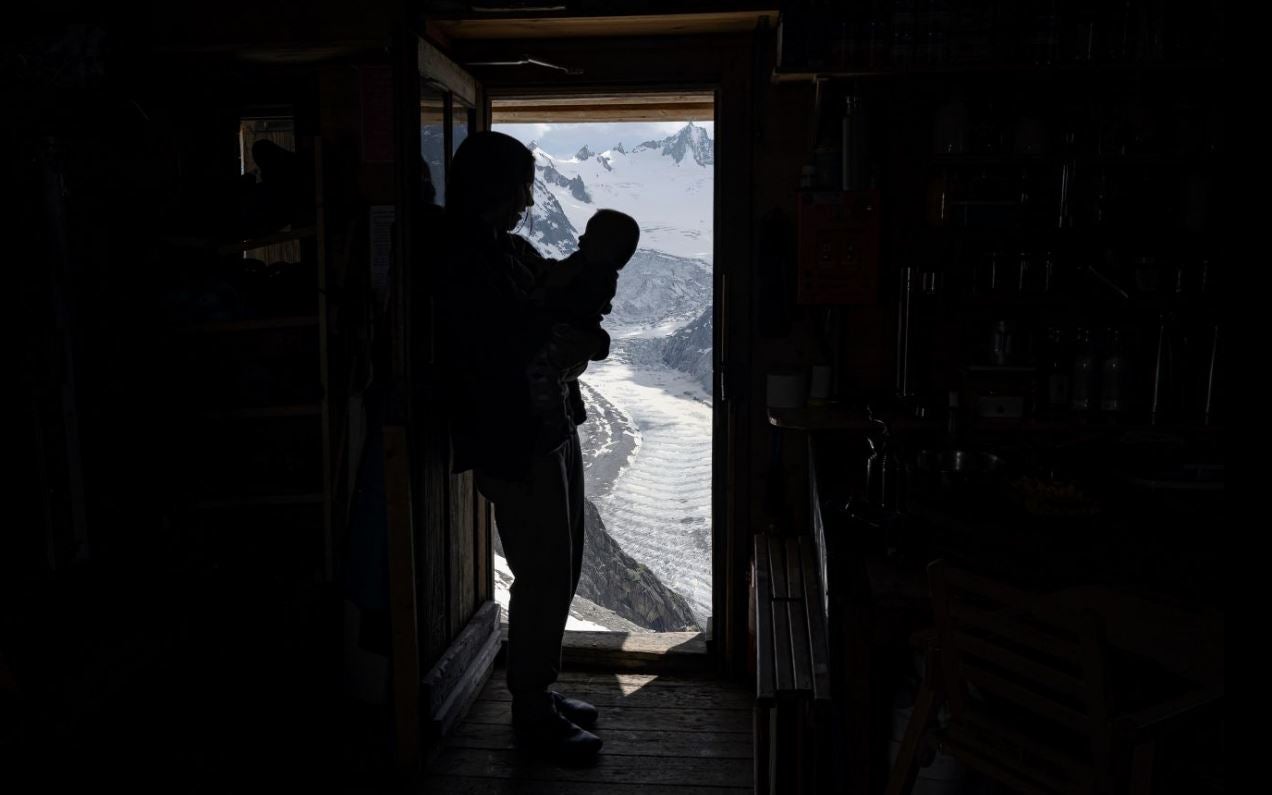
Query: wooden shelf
[[1056, 159], [270, 239], [239, 246], [286, 236], [1096, 425], [839, 417], [1016, 69], [257, 324]]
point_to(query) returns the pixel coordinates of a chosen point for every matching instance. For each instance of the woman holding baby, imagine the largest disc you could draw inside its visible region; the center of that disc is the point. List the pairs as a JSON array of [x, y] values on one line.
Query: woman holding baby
[[517, 331]]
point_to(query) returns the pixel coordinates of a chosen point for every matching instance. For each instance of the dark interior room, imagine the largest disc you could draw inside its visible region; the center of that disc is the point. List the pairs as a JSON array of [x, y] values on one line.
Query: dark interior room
[[566, 396]]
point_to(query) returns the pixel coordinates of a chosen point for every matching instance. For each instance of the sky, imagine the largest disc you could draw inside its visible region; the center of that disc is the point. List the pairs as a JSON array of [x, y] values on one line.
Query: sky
[[563, 140]]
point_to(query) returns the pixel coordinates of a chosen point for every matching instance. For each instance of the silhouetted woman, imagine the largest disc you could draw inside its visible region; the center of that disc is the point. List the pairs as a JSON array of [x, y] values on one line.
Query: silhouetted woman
[[492, 330]]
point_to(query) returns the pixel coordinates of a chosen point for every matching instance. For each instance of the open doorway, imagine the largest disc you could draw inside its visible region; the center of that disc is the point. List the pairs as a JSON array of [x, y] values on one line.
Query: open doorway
[[647, 443]]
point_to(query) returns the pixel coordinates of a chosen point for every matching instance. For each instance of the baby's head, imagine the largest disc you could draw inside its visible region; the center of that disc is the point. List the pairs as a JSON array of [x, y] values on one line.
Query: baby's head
[[610, 237]]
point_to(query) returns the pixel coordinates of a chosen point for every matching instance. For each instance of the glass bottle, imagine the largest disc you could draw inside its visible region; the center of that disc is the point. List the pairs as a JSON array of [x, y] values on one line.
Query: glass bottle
[[1082, 388], [1113, 375], [1059, 373]]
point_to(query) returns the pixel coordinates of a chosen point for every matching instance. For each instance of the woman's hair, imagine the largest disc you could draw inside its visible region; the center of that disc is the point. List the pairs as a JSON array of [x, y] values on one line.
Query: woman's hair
[[488, 170]]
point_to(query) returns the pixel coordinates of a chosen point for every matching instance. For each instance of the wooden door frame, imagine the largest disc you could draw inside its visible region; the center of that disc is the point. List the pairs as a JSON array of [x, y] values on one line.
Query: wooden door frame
[[724, 64]]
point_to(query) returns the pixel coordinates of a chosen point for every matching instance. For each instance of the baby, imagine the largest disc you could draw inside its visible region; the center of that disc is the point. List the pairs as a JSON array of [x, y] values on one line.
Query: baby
[[575, 296]]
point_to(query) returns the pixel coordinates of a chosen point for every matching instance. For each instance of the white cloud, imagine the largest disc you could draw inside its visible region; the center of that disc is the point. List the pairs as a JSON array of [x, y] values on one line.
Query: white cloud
[[526, 133]]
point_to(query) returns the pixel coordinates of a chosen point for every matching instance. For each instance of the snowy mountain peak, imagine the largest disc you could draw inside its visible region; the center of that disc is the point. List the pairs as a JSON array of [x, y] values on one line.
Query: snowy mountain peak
[[554, 177], [548, 225], [665, 184], [691, 140]]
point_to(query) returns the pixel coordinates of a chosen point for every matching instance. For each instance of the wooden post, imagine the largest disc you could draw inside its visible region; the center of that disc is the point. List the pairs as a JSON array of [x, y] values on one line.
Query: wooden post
[[406, 660]]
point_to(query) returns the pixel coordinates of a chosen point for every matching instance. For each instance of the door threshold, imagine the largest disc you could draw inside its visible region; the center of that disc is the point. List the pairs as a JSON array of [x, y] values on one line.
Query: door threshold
[[654, 652]]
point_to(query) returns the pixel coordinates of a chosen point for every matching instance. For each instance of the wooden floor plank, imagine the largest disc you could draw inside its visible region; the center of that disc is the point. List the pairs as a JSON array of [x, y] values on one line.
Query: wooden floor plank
[[625, 742], [641, 679], [617, 694], [736, 721], [682, 734], [464, 785], [659, 771]]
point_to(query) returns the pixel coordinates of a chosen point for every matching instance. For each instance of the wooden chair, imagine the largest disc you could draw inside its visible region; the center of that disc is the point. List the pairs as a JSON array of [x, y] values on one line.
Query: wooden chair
[[1028, 686]]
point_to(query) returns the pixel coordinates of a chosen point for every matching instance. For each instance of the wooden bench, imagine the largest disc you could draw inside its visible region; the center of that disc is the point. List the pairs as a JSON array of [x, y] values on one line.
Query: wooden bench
[[792, 688]]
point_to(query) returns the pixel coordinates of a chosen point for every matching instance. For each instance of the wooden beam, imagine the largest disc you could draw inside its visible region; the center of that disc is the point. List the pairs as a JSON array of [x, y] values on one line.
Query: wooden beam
[[594, 98], [605, 112], [451, 685], [436, 67], [607, 106], [441, 679], [434, 34], [605, 26]]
